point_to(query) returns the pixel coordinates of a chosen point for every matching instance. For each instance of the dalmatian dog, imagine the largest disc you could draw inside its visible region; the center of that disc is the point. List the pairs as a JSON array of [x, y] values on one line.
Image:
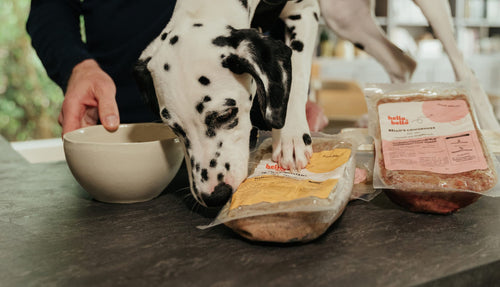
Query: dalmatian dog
[[208, 69]]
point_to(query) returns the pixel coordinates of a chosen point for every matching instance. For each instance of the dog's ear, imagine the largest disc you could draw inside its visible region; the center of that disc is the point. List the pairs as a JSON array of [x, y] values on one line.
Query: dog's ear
[[145, 83], [268, 61]]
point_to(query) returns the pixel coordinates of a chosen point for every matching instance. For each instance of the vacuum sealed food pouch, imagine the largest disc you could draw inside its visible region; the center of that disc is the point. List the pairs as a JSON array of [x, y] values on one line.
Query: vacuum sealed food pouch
[[430, 155], [277, 205]]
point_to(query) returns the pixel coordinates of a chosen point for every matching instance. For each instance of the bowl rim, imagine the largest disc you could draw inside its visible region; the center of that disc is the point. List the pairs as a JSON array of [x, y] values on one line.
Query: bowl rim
[[68, 137]]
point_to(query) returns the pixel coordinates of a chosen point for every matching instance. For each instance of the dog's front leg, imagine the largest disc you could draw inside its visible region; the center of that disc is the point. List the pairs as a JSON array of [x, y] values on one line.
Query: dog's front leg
[[438, 13], [292, 144], [354, 20]]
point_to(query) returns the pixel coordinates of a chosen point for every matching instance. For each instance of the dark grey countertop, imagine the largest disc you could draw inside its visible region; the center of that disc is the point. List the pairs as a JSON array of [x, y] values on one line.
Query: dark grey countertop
[[53, 234]]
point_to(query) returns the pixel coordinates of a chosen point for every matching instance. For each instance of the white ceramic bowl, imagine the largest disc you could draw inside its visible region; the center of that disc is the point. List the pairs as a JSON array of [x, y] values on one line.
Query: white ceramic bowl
[[133, 164]]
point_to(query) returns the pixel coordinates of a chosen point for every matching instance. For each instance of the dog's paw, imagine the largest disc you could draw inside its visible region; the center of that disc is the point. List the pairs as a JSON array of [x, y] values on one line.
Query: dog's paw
[[292, 150]]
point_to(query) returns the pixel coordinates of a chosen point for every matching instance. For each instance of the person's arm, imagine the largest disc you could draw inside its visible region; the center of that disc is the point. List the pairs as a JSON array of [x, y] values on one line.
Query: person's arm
[[54, 27]]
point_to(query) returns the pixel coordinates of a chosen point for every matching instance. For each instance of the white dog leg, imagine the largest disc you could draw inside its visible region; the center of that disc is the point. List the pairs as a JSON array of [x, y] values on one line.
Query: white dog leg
[[292, 144], [354, 21], [438, 13]]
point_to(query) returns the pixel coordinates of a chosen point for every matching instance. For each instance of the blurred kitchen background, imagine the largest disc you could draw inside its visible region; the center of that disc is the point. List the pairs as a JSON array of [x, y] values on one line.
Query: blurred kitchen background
[[30, 102]]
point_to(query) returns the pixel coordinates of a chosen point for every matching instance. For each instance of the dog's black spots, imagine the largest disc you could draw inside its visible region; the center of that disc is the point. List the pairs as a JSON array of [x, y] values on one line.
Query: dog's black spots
[[197, 167], [178, 130], [232, 125], [291, 30], [244, 3], [200, 107], [220, 177], [222, 56], [210, 133], [230, 102], [316, 16], [204, 174], [359, 46], [298, 1], [217, 154], [295, 17], [213, 162], [307, 139], [191, 160], [250, 97], [165, 114], [297, 45], [207, 99], [219, 145], [197, 25], [227, 166], [164, 36], [187, 143], [174, 40], [204, 81], [166, 67]]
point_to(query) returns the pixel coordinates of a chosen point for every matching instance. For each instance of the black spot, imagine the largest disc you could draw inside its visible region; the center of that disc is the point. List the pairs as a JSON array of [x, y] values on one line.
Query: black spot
[[222, 56], [220, 144], [204, 174], [213, 163], [197, 167], [220, 177], [174, 40], [232, 125], [230, 102], [178, 130], [192, 161], [211, 133], [164, 36], [250, 97], [204, 81], [227, 166], [307, 139], [316, 16], [165, 114], [297, 45], [166, 67], [217, 154], [207, 99], [187, 143], [359, 46], [200, 107], [294, 17], [244, 3], [197, 24]]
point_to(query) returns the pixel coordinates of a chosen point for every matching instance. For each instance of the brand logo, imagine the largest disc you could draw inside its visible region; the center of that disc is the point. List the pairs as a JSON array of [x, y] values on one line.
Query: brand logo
[[275, 167], [398, 120]]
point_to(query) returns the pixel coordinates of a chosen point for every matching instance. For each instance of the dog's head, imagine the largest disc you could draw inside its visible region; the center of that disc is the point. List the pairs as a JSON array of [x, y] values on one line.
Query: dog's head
[[205, 84]]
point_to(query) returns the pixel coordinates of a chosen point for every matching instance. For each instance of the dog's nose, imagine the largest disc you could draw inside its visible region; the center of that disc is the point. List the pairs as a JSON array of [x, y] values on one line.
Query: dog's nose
[[221, 194]]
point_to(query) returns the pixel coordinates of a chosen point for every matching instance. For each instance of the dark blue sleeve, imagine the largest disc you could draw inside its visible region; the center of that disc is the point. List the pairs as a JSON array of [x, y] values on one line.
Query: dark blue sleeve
[[54, 27]]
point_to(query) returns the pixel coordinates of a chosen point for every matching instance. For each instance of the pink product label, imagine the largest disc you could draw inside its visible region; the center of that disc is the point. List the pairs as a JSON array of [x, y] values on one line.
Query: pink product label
[[445, 111], [449, 154]]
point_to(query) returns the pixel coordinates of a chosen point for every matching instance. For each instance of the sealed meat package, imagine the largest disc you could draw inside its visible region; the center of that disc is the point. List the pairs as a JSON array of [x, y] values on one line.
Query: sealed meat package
[[277, 205], [430, 155]]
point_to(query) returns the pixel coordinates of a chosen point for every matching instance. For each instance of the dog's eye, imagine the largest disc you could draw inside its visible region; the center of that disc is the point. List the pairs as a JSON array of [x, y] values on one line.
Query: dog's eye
[[226, 115]]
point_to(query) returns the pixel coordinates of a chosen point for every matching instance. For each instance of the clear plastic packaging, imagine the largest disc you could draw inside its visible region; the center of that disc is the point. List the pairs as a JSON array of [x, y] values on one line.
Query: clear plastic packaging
[[428, 147], [293, 206]]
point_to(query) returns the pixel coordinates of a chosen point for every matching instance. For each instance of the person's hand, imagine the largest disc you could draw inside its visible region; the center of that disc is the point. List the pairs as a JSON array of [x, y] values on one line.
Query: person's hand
[[90, 96]]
